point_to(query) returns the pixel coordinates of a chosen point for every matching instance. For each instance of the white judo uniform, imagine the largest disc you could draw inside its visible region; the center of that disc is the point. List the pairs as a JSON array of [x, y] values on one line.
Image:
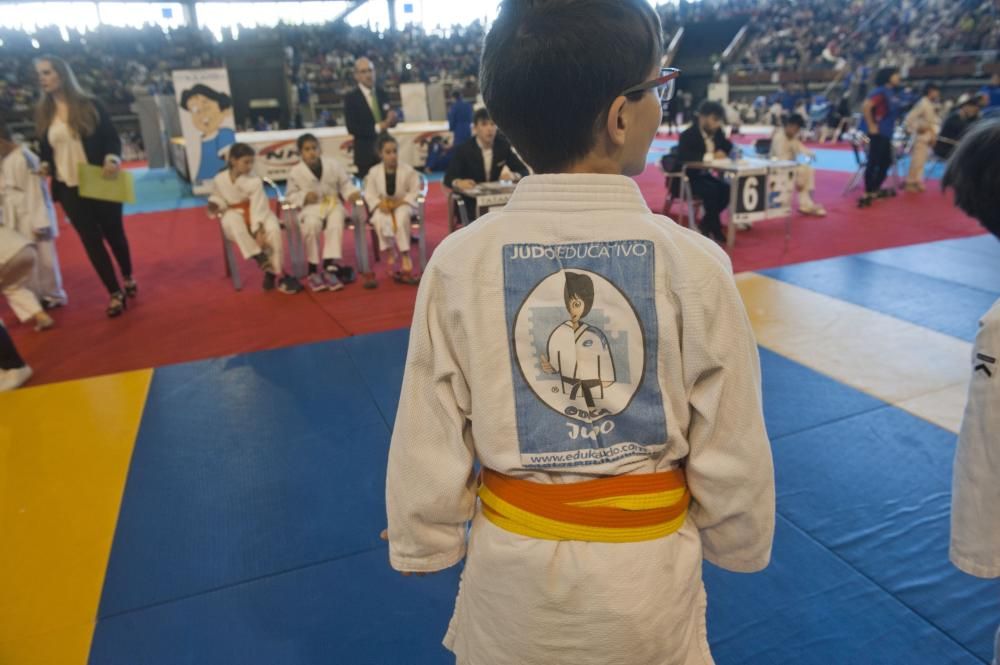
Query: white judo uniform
[[686, 394], [326, 218], [28, 209], [975, 499], [788, 149], [389, 227], [246, 195], [18, 258]]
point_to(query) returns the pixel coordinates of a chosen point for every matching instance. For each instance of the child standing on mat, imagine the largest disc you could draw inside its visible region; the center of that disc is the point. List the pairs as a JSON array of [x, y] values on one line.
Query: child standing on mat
[[392, 188], [246, 217], [595, 508], [974, 173], [28, 209], [318, 185]]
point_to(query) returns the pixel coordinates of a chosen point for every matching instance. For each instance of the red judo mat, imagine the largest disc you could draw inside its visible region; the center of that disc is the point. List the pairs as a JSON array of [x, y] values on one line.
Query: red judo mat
[[187, 309]]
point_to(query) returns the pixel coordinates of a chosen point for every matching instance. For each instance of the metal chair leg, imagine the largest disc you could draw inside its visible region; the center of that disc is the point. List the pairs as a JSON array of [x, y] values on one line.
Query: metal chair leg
[[229, 257]]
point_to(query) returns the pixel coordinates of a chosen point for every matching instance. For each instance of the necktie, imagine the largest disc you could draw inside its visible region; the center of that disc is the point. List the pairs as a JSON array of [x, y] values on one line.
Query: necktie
[[376, 111]]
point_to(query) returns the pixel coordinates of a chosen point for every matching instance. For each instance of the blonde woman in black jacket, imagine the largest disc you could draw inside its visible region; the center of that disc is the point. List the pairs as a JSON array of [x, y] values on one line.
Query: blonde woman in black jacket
[[74, 128]]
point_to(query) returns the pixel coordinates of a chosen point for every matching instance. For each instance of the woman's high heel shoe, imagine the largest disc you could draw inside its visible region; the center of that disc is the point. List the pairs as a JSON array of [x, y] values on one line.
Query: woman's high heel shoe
[[131, 288], [117, 305]]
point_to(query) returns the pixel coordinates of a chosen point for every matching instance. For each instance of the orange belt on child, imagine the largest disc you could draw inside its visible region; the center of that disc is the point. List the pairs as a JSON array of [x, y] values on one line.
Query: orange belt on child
[[244, 209], [617, 509]]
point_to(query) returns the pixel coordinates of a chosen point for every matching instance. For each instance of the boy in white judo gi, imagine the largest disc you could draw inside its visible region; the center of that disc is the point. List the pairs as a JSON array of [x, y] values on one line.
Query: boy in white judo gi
[[319, 186], [247, 220], [786, 145], [974, 173], [392, 188], [28, 209], [18, 267], [591, 524]]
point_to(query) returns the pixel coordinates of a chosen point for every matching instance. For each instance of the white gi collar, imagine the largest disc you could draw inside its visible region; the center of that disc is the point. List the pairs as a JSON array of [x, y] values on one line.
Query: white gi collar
[[577, 192]]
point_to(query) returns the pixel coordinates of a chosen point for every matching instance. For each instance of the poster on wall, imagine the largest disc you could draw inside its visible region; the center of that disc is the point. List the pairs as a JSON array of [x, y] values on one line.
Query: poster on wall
[[206, 110]]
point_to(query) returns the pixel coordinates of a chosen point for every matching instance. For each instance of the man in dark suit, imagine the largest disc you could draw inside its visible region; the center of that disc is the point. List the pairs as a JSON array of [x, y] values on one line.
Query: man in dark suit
[[368, 114], [485, 157], [702, 141]]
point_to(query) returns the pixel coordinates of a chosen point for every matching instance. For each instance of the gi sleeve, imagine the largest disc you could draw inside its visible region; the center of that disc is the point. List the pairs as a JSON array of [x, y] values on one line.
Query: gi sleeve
[[372, 197], [975, 508], [430, 483], [295, 192], [215, 197], [729, 469], [345, 185], [412, 188]]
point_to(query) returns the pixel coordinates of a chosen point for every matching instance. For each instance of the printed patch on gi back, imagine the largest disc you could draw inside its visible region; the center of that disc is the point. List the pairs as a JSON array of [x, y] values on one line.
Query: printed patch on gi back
[[581, 320]]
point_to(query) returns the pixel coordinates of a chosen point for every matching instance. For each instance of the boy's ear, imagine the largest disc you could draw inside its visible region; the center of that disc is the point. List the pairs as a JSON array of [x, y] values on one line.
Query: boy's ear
[[617, 123]]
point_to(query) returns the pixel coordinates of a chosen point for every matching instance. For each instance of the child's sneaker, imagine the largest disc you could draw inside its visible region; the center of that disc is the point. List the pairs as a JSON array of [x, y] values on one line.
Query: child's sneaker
[[289, 285], [331, 282], [14, 378], [315, 282], [269, 281]]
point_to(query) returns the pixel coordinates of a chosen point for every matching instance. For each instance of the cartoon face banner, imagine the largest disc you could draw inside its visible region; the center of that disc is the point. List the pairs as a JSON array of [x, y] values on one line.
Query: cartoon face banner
[[582, 325], [206, 110]]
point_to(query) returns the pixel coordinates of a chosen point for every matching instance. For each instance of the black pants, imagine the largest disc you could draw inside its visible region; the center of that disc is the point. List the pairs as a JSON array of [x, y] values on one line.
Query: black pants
[[97, 223], [714, 194], [9, 357], [879, 162]]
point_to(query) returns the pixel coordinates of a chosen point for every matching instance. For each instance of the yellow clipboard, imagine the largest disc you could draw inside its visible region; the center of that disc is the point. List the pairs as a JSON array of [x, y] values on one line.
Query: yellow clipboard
[[93, 185]]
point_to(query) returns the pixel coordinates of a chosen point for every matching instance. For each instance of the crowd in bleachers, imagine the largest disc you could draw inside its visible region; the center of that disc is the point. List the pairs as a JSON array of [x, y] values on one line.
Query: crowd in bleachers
[[117, 64], [801, 34]]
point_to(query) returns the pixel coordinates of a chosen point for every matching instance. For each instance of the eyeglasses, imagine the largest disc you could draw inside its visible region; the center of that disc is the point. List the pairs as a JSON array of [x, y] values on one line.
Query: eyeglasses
[[665, 85]]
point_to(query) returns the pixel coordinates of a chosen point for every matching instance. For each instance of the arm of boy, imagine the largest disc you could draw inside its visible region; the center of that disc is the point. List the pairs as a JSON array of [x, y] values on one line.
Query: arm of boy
[[345, 185], [411, 188], [430, 482], [296, 194], [372, 197], [729, 469]]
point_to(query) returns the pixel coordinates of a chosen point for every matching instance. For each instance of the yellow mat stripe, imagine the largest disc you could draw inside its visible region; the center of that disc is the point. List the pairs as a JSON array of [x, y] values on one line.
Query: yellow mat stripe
[[64, 455], [916, 369]]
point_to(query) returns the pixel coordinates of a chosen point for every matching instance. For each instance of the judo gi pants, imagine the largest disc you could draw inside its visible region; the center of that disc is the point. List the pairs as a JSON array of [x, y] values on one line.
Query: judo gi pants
[[918, 157], [9, 357], [714, 194], [97, 223], [48, 276], [382, 221], [311, 222], [879, 162], [805, 183], [236, 231], [15, 278]]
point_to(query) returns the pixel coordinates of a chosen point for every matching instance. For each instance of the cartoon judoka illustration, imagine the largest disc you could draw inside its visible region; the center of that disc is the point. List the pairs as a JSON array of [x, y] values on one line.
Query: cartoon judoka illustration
[[578, 351], [209, 111]]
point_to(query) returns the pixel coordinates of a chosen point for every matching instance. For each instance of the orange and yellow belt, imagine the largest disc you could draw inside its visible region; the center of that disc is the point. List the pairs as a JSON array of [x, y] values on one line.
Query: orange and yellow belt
[[244, 209], [616, 509]]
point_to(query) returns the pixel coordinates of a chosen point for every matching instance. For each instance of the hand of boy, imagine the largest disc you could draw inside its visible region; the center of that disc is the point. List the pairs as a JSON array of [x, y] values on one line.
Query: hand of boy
[[385, 536], [213, 208]]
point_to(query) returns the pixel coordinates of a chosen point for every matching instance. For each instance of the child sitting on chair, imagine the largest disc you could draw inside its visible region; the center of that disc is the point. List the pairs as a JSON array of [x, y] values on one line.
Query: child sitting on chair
[[786, 144], [317, 185], [391, 191], [246, 217]]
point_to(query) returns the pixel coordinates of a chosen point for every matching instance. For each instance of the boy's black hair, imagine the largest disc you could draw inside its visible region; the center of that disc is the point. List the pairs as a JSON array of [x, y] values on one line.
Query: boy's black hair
[[220, 98], [582, 287], [883, 75], [238, 150], [708, 107], [973, 171], [795, 119], [931, 86], [481, 115], [551, 69], [305, 138], [383, 139]]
